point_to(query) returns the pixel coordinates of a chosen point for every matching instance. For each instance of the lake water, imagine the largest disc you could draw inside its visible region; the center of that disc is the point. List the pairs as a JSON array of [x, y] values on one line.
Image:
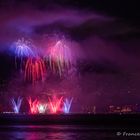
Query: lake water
[[59, 132]]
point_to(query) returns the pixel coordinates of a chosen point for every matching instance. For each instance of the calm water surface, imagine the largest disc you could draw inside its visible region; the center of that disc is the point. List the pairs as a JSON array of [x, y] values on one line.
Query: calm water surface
[[59, 132]]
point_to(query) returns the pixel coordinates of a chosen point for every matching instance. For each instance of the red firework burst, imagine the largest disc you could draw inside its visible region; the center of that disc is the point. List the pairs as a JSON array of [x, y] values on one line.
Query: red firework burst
[[33, 105], [34, 70], [55, 104]]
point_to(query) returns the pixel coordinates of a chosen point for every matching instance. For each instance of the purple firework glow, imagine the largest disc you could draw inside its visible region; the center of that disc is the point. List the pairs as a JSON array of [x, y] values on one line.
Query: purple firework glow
[[16, 104], [22, 48], [67, 105], [60, 56]]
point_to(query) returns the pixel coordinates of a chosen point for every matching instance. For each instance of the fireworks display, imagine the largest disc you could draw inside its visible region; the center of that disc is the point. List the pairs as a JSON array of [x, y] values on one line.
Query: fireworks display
[[60, 56], [22, 48], [55, 104], [68, 56], [16, 104], [33, 105], [58, 59], [67, 105], [42, 108], [35, 69]]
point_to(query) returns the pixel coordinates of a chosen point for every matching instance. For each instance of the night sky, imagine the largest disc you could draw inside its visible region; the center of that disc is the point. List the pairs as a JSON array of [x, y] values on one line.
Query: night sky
[[106, 37]]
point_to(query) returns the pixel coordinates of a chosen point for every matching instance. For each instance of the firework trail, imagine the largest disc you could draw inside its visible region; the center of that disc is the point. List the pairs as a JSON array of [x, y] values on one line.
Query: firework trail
[[55, 104], [33, 105], [67, 105], [34, 70], [42, 108], [60, 56], [16, 105], [23, 48]]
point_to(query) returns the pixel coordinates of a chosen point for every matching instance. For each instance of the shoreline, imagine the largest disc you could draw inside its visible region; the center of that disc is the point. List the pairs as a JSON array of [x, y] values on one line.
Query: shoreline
[[108, 120]]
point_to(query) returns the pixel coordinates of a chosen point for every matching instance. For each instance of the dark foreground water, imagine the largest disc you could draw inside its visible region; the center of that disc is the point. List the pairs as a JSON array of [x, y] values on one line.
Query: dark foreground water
[[64, 132]]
